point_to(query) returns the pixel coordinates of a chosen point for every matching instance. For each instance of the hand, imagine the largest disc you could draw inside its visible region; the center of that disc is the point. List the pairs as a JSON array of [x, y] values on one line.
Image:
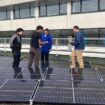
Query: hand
[[46, 42], [72, 43]]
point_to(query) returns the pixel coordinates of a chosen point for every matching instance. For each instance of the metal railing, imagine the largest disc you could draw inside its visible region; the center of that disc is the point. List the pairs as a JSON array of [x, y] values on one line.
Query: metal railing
[[59, 44]]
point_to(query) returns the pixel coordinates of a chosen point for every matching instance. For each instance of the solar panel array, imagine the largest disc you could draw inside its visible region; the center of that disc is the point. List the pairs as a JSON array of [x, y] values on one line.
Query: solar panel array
[[57, 85]]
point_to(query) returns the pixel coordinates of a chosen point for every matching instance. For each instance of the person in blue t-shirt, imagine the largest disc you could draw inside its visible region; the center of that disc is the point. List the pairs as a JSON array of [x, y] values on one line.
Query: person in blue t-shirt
[[46, 48]]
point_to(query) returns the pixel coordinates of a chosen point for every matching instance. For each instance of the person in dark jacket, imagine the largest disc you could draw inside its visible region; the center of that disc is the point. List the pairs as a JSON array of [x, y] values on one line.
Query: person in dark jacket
[[46, 48], [79, 46], [34, 54], [16, 45]]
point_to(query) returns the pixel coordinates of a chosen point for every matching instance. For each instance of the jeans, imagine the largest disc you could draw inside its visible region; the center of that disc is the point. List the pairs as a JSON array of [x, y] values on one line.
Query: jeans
[[45, 58], [16, 57]]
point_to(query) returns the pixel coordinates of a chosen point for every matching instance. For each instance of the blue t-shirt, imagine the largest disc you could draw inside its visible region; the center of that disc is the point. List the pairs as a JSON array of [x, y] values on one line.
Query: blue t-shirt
[[46, 47]]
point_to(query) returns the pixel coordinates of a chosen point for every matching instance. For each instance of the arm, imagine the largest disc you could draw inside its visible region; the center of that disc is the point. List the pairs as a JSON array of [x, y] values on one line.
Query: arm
[[13, 42], [77, 40], [41, 43]]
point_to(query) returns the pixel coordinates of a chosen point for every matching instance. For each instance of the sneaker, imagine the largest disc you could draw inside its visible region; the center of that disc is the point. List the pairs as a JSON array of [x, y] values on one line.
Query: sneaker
[[72, 67]]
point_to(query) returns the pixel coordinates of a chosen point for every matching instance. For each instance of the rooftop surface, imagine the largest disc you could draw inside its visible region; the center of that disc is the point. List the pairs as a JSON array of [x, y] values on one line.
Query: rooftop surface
[[56, 85]]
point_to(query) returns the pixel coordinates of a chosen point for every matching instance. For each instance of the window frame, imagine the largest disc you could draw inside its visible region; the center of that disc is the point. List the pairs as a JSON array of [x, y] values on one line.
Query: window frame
[[29, 7], [46, 15], [98, 10], [6, 10]]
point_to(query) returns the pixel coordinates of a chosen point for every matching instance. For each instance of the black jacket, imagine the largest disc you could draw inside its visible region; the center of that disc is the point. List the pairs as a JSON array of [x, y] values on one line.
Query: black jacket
[[16, 42], [34, 40]]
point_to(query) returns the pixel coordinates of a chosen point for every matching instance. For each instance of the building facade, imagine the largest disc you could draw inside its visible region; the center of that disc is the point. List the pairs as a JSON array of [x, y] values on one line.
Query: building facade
[[57, 15]]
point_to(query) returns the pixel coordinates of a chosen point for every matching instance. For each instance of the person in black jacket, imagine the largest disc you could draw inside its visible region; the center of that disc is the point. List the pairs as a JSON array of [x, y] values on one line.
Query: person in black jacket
[[34, 53], [16, 45]]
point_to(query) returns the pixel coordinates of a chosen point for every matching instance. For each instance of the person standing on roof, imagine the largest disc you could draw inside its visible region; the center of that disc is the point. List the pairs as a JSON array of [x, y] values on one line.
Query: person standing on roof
[[16, 45], [34, 54], [79, 46], [46, 48]]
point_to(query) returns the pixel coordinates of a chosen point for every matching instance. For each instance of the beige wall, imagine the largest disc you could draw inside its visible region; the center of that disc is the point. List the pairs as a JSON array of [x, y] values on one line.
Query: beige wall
[[88, 20], [58, 22]]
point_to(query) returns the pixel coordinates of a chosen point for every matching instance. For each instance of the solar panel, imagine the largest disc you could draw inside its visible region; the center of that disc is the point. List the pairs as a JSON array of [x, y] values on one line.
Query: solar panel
[[32, 73], [1, 82], [17, 90], [59, 74], [9, 73], [54, 92], [59, 70], [86, 75], [5, 61], [61, 86], [23, 64], [102, 73], [58, 77], [90, 93], [86, 64]]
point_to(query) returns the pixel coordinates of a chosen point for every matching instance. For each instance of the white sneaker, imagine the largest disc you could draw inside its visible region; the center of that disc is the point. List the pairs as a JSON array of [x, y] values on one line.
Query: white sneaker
[[72, 67]]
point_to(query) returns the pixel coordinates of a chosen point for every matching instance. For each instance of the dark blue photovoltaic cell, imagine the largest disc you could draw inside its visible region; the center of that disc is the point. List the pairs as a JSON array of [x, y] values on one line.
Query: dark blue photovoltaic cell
[[59, 74], [54, 92], [86, 75], [102, 73], [90, 93], [9, 73], [17, 90]]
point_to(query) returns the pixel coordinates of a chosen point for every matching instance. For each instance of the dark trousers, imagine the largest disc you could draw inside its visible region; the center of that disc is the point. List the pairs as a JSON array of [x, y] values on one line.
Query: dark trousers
[[45, 58], [16, 57]]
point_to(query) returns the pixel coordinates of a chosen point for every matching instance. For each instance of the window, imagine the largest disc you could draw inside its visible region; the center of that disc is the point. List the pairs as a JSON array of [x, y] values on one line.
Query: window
[[17, 13], [32, 11], [89, 5], [63, 8], [24, 11], [8, 14], [102, 4], [43, 9], [92, 33], [102, 33], [52, 8], [4, 14], [76, 6], [82, 6]]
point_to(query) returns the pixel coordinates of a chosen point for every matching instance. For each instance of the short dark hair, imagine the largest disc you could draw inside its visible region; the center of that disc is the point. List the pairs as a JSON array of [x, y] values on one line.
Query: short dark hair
[[19, 30], [46, 29], [76, 27], [39, 27]]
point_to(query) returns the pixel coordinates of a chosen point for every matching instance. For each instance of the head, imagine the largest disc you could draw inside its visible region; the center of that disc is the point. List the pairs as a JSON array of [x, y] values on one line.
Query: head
[[39, 28], [20, 31], [46, 31], [76, 29]]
